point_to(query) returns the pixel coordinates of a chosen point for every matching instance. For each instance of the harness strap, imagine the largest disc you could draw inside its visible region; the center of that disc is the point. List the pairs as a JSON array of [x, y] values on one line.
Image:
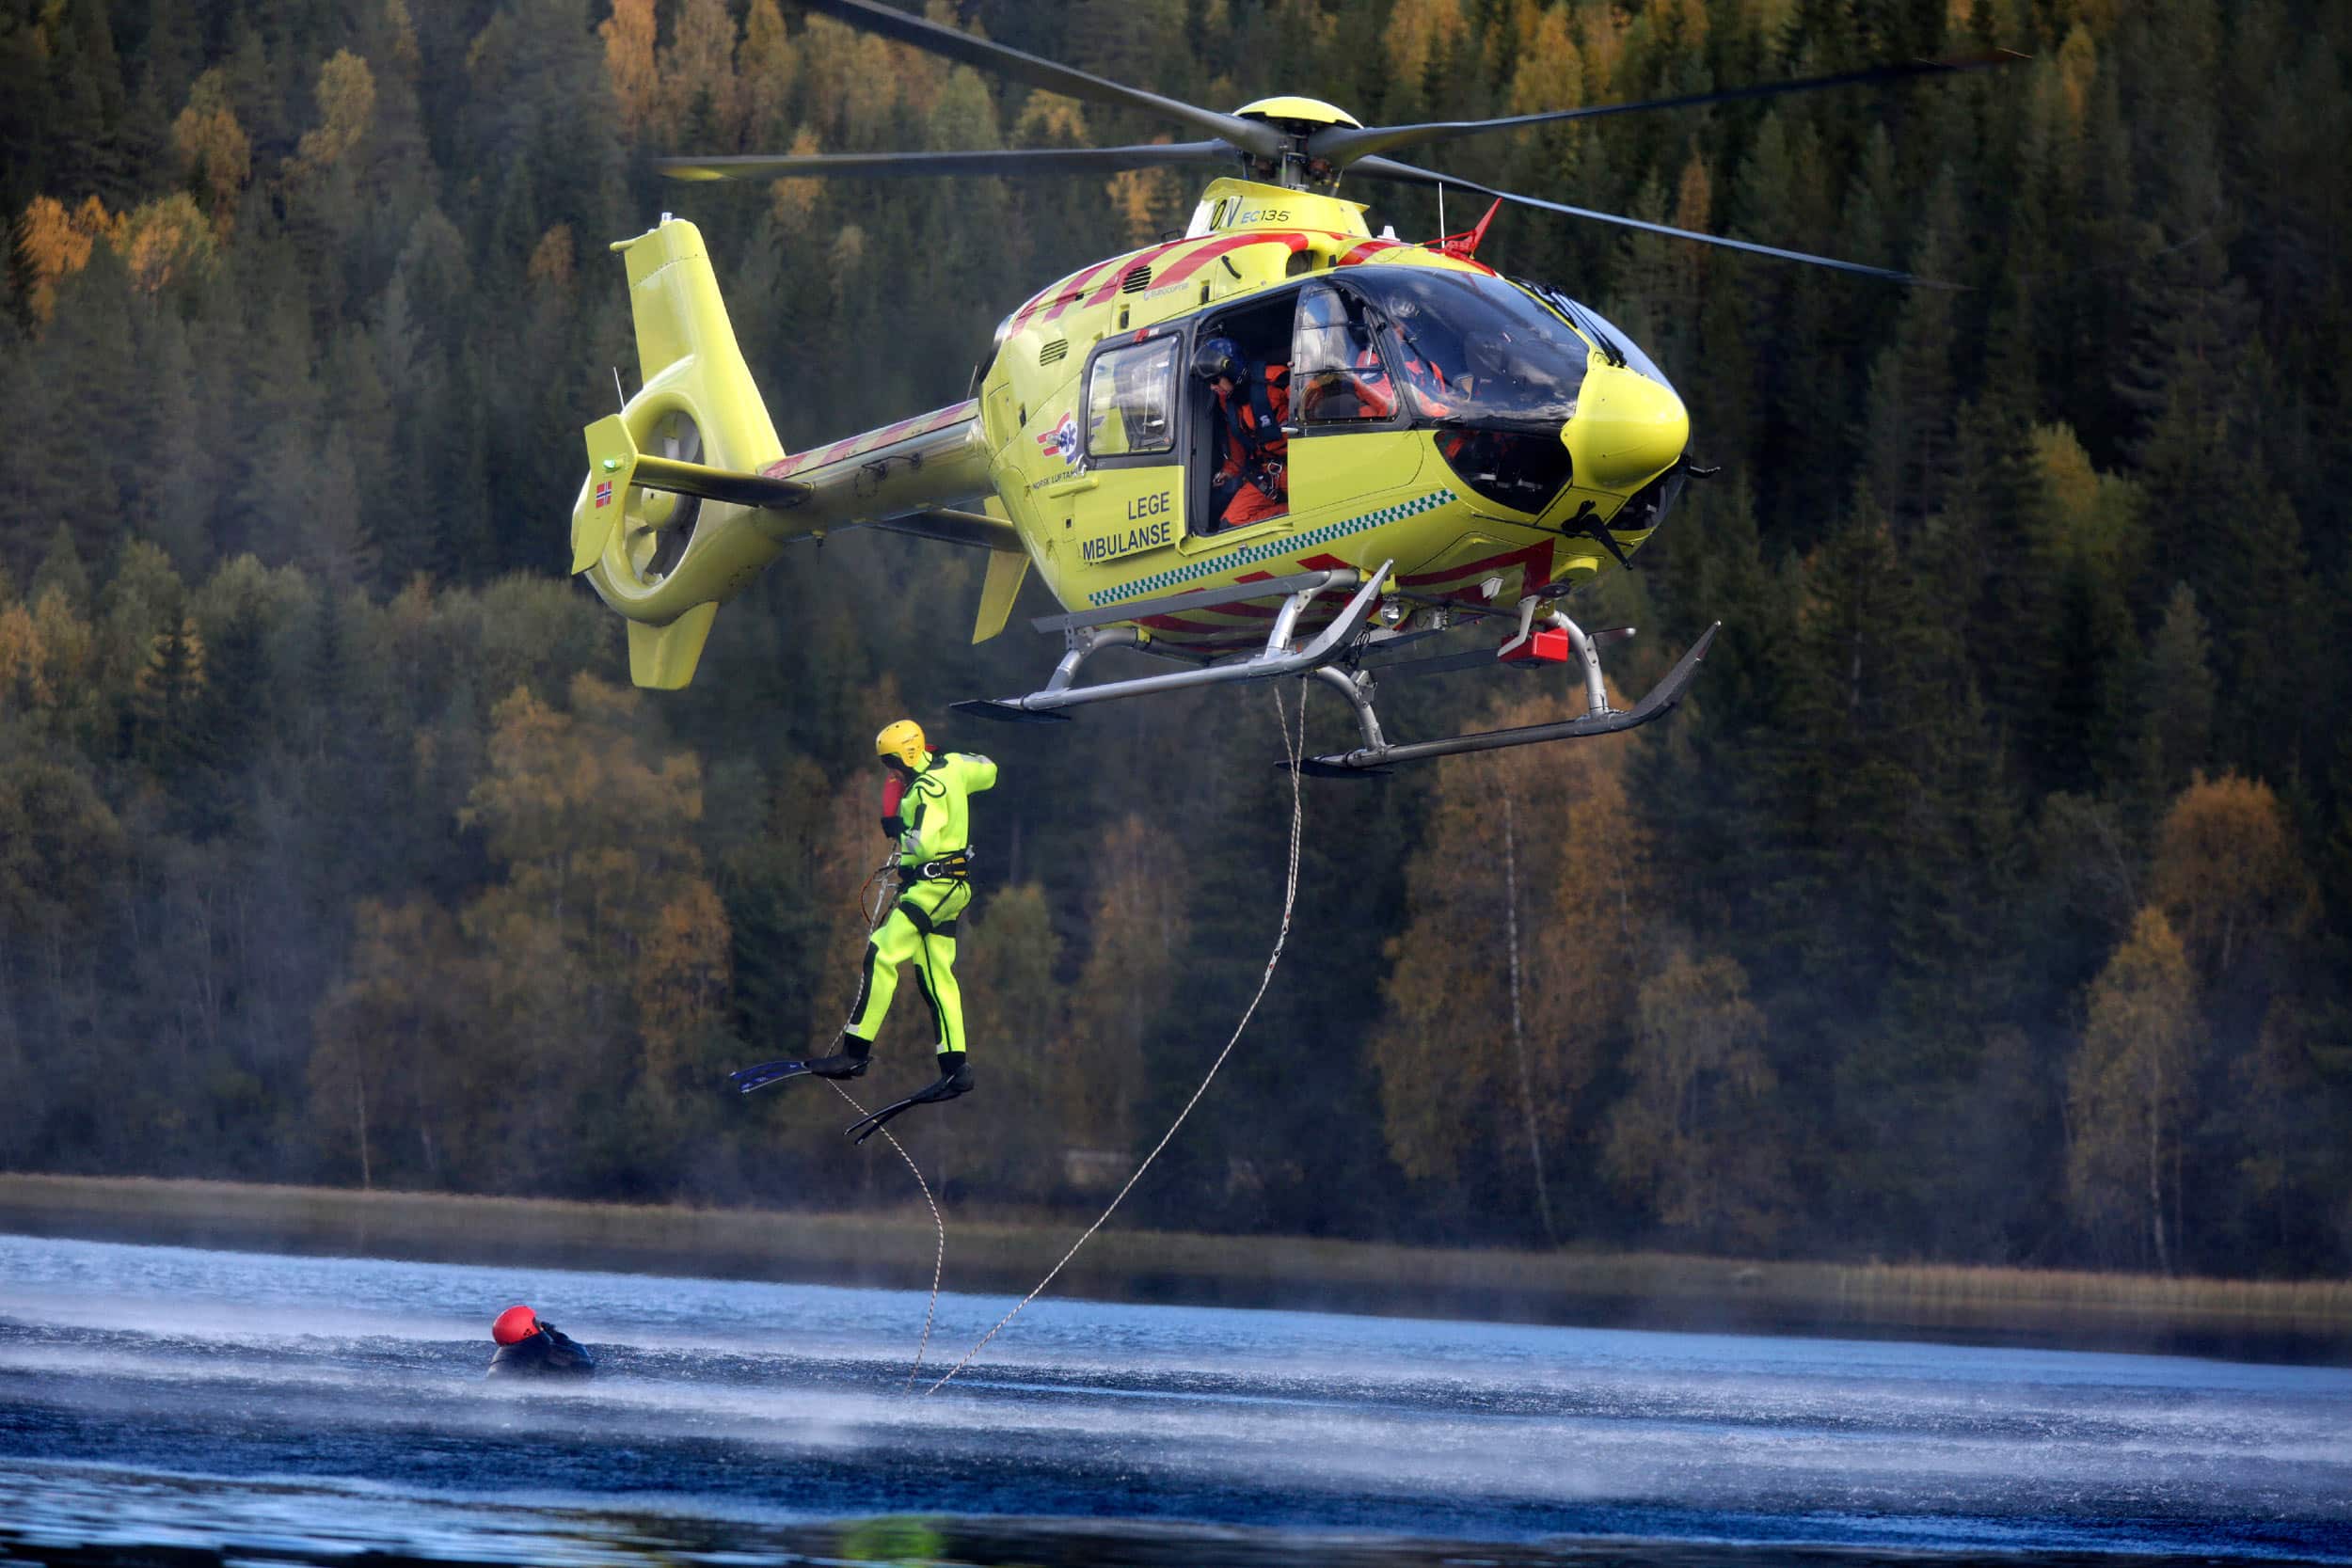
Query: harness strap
[[954, 866], [924, 927]]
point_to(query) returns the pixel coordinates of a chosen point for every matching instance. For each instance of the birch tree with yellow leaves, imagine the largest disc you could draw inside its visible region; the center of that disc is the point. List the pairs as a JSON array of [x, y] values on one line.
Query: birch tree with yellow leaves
[[2128, 1092], [1517, 963]]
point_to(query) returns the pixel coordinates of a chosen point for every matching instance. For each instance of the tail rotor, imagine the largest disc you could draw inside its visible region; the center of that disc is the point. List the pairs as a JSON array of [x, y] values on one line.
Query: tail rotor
[[661, 524]]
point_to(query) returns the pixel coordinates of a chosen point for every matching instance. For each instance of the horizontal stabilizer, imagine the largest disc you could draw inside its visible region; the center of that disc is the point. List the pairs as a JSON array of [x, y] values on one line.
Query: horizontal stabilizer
[[719, 484], [615, 463], [952, 527]]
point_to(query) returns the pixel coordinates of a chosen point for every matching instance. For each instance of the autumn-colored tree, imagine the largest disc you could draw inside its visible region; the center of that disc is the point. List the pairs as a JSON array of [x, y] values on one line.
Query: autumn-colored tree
[[767, 69], [55, 243], [628, 35], [1141, 197], [1012, 1136], [1137, 926], [47, 655], [346, 99], [586, 820], [845, 870], [60, 844], [698, 104], [2128, 1089], [164, 240], [215, 147], [1695, 1133], [1421, 35], [1527, 906], [681, 985], [792, 202], [2229, 871], [395, 1069], [602, 911]]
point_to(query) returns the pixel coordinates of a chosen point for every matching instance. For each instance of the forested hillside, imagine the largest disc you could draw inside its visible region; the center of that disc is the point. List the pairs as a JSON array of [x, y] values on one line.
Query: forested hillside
[[1989, 900]]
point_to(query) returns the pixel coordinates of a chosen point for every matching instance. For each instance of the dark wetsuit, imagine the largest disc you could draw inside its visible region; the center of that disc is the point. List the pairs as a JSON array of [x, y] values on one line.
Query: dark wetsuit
[[549, 1352]]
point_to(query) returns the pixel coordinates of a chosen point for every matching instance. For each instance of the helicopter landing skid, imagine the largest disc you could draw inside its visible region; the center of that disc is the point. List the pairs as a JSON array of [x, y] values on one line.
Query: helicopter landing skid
[[1375, 756], [1085, 639]]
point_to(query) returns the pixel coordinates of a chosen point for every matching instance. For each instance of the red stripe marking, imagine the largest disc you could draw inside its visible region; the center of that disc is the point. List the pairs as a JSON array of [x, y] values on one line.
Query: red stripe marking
[[1053, 294], [1126, 265], [1180, 270], [1036, 302], [1085, 280], [1370, 247], [873, 441], [1534, 559]]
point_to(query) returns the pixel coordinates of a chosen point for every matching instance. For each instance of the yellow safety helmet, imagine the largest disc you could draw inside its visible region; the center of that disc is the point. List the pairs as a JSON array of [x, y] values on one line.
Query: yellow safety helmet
[[905, 741]]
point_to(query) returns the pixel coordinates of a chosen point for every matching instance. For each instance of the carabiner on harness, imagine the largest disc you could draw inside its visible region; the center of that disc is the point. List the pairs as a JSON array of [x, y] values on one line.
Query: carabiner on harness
[[944, 868]]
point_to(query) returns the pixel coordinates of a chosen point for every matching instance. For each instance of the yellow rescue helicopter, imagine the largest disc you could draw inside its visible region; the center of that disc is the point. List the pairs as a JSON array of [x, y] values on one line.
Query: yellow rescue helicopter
[[1401, 442]]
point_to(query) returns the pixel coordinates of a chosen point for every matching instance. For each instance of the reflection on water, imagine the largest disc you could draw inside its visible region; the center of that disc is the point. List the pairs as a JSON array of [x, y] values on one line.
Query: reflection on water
[[273, 1409]]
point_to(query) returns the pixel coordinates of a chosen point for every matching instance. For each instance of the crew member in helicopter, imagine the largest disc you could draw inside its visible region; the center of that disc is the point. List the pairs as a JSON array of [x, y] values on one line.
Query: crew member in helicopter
[[926, 808], [1334, 368], [1250, 480], [529, 1346]]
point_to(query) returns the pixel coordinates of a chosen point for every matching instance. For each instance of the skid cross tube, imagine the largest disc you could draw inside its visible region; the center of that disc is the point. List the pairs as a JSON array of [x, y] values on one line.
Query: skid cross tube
[[1279, 658], [1376, 754]]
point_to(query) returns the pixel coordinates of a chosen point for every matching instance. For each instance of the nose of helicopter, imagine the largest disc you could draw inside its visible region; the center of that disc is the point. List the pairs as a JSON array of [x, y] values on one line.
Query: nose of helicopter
[[1627, 429]]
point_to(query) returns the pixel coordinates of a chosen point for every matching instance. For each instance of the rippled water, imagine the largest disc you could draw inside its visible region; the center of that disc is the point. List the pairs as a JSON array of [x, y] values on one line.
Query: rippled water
[[271, 1408]]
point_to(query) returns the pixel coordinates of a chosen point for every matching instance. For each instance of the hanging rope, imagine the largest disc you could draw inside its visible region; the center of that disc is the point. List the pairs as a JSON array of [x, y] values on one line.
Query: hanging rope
[[1290, 895], [939, 1258], [874, 900]]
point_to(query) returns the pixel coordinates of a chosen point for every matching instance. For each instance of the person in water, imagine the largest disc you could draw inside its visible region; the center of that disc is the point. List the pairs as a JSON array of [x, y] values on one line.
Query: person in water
[[529, 1348]]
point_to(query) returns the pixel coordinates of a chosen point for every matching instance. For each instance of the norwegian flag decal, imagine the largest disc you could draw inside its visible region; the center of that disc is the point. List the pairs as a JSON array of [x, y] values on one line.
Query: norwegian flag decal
[[604, 494]]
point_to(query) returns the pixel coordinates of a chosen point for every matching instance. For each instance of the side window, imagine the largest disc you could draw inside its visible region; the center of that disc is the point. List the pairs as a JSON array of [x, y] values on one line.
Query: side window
[[1131, 399], [1336, 373]]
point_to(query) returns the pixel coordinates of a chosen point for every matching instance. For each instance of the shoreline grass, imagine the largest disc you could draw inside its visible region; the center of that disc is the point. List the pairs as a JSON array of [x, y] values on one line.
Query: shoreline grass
[[2299, 1321]]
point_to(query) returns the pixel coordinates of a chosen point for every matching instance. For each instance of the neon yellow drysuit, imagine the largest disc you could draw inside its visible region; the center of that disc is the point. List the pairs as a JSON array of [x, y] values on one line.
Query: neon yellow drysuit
[[934, 890]]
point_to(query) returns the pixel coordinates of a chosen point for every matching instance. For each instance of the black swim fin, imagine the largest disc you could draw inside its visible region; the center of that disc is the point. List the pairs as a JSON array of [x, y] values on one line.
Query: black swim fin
[[747, 1079], [841, 1064], [954, 1081]]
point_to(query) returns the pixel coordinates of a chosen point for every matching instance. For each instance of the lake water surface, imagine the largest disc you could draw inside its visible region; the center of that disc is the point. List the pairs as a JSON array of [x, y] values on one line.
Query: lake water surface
[[254, 1408]]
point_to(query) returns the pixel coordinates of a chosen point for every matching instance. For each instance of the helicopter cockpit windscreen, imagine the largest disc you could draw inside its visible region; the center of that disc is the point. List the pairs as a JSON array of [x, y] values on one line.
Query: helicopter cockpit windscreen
[[1475, 350]]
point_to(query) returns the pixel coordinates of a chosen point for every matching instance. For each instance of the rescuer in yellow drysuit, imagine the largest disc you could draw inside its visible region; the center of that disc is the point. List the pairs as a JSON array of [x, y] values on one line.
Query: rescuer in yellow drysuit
[[925, 807]]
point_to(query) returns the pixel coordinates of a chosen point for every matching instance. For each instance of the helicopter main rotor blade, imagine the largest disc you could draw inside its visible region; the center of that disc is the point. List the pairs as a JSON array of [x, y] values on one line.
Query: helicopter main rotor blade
[[987, 54], [1034, 160], [1405, 174], [1344, 144]]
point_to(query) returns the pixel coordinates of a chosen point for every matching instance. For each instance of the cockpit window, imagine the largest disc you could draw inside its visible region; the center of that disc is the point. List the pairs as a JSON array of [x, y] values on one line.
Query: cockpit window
[[1336, 373], [1131, 399], [1475, 350]]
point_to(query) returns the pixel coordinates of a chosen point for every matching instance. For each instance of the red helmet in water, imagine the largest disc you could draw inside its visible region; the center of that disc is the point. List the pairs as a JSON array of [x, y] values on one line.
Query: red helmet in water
[[515, 1325]]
